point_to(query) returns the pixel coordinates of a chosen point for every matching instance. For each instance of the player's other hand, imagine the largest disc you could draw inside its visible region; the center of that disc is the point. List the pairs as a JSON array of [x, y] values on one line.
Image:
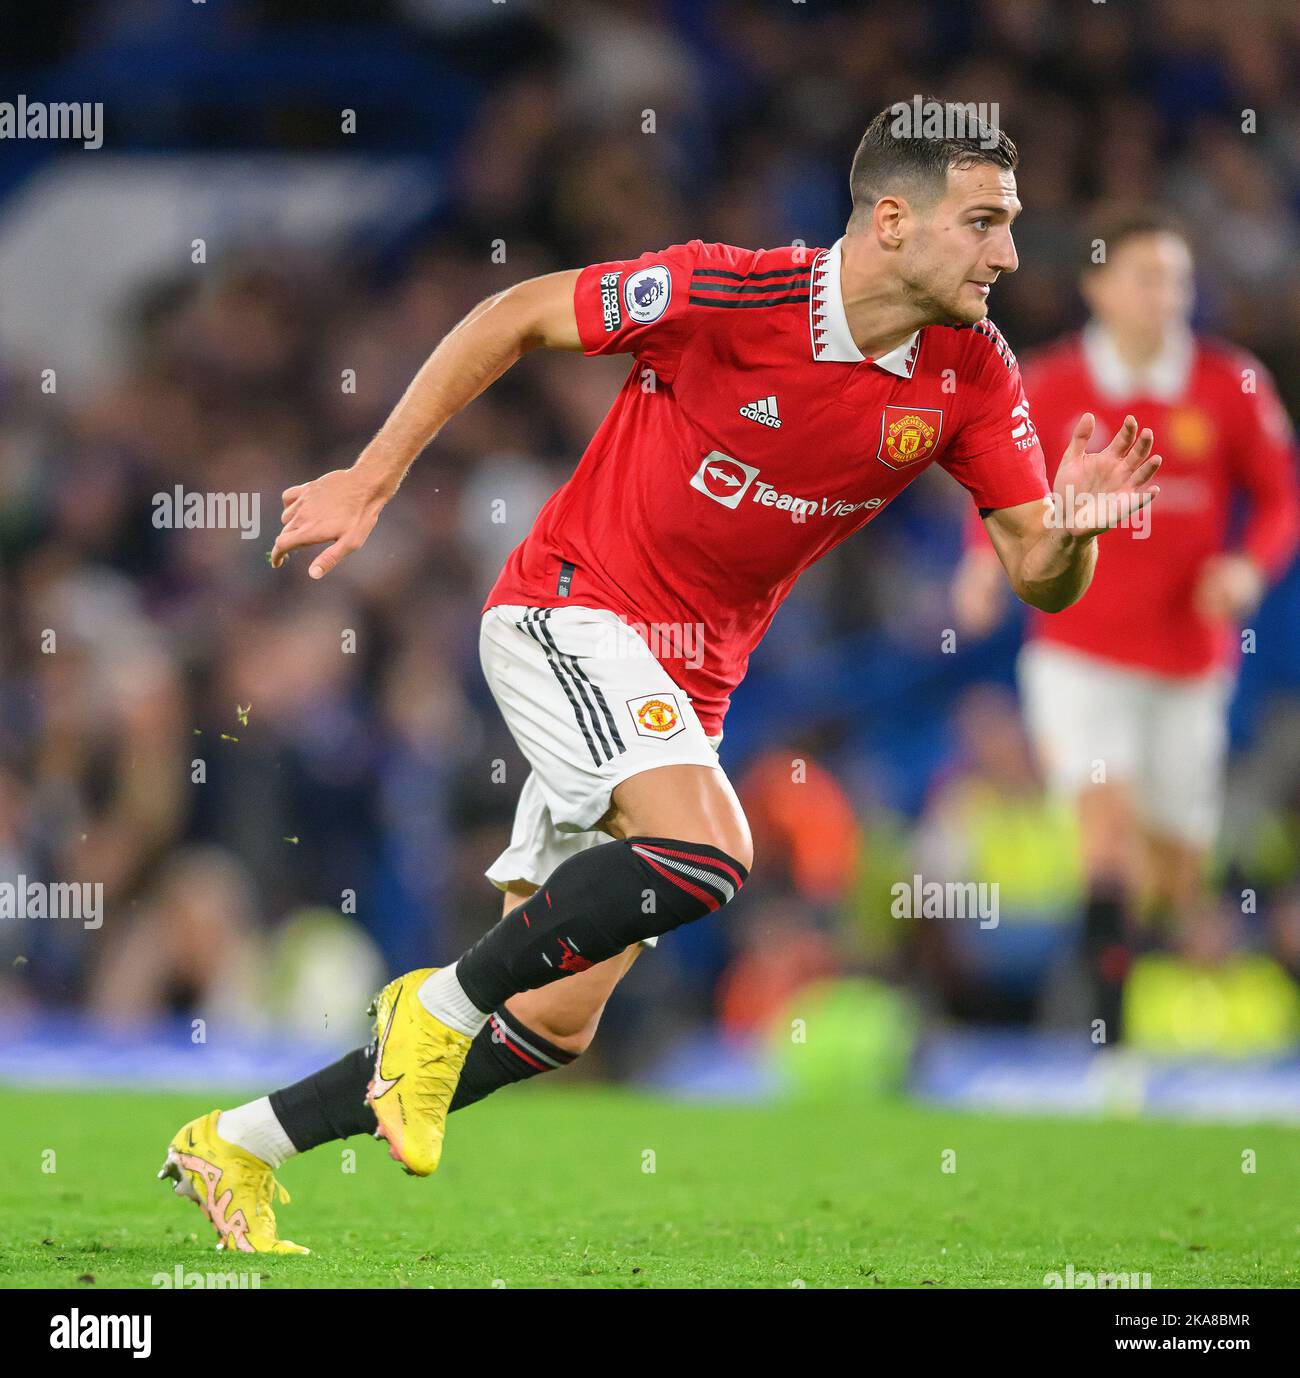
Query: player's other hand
[[979, 590], [1095, 492], [341, 507], [1230, 586]]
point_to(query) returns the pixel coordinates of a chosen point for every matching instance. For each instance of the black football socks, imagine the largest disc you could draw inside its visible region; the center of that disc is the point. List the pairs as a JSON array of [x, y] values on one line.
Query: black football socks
[[1106, 955], [505, 1051], [331, 1104], [594, 905]]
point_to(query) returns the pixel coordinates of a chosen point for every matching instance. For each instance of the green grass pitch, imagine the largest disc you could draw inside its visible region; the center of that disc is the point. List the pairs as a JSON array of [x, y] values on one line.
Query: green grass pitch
[[545, 1187]]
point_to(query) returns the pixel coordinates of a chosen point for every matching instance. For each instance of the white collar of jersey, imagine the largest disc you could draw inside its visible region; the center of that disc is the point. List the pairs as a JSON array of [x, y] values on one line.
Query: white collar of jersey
[[1164, 378], [828, 325]]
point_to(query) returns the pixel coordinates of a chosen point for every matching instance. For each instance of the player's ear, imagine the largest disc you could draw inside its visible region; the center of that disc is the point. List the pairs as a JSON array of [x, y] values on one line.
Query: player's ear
[[887, 220]]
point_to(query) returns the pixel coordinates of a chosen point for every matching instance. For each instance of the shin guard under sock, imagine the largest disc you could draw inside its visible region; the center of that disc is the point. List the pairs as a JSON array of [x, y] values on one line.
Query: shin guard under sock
[[593, 906]]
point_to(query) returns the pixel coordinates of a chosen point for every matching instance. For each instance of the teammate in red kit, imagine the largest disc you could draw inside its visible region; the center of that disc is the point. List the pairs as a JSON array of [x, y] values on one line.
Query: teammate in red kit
[[1126, 693], [778, 400]]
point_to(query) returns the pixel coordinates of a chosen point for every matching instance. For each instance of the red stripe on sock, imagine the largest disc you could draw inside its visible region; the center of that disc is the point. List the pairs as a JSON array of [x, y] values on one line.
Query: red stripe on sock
[[686, 885], [514, 1048], [692, 856], [531, 1061]]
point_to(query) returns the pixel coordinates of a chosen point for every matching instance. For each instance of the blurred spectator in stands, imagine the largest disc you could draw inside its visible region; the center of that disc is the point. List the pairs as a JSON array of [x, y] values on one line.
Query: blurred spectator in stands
[[192, 947], [990, 822]]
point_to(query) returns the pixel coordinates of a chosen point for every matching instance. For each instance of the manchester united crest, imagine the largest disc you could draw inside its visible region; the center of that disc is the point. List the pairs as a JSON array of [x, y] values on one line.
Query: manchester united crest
[[908, 434], [1191, 433], [656, 715]]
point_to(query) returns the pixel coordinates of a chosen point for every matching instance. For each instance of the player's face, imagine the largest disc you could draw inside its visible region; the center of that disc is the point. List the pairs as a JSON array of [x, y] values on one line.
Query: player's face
[[955, 253], [1145, 288]]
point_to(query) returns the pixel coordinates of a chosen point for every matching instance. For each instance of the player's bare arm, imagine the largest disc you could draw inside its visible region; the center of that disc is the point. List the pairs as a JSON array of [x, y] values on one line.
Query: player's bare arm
[[1049, 549], [343, 506]]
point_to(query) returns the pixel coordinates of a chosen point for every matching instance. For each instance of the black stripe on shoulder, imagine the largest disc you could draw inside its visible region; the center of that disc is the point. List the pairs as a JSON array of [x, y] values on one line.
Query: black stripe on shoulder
[[995, 337], [695, 300], [745, 290], [749, 277]]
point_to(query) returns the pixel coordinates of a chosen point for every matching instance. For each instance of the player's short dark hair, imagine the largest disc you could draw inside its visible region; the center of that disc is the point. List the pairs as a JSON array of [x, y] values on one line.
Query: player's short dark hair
[[1114, 222], [892, 157]]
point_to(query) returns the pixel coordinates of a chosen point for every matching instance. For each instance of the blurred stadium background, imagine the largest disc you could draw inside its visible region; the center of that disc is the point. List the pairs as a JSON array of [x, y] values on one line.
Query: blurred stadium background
[[493, 142]]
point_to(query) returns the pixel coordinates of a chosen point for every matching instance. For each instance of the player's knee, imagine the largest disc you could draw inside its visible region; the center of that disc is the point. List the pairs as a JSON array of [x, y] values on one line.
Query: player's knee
[[690, 878], [735, 844], [728, 837], [1107, 827], [728, 831], [731, 846], [690, 804]]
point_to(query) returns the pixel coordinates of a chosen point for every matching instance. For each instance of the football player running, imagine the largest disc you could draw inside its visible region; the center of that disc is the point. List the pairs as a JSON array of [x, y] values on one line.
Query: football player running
[[778, 400]]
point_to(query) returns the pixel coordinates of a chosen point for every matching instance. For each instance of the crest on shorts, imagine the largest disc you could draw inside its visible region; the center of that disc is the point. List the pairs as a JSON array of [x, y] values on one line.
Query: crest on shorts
[[908, 434], [656, 715]]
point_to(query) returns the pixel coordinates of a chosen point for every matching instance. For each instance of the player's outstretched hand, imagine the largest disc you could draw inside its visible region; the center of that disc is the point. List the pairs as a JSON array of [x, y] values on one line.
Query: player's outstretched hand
[[1095, 492], [341, 507], [1230, 586]]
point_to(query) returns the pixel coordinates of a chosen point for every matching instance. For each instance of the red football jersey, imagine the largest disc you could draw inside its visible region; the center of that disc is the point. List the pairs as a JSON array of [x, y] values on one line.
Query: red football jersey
[[751, 437], [1222, 433]]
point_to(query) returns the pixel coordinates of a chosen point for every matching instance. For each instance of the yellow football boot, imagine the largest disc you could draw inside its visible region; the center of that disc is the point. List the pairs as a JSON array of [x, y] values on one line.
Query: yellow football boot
[[418, 1062], [231, 1186]]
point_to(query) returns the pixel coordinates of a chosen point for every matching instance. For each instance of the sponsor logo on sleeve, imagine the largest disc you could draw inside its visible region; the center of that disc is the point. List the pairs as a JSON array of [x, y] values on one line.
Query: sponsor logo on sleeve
[[646, 293], [609, 307], [1022, 428]]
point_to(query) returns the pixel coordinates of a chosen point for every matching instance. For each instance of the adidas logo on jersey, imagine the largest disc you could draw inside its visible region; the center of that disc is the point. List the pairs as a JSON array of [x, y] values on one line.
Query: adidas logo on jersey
[[763, 411]]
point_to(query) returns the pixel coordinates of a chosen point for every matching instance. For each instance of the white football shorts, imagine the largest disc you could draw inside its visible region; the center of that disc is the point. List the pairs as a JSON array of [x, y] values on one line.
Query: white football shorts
[[589, 706], [1165, 737]]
